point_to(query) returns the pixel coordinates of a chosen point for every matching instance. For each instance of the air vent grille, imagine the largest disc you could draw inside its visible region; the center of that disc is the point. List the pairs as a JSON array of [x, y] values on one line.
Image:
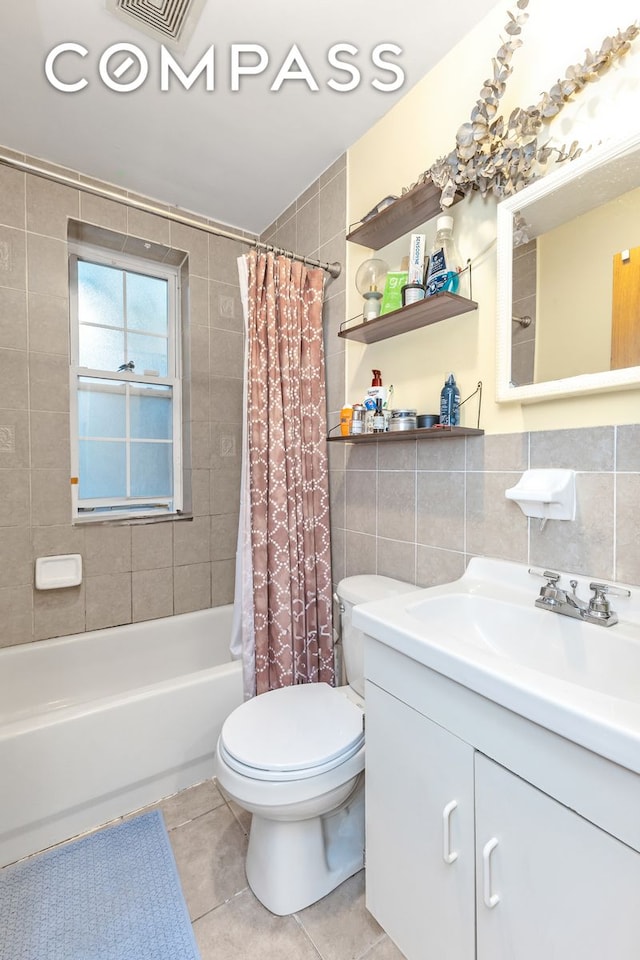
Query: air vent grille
[[171, 21]]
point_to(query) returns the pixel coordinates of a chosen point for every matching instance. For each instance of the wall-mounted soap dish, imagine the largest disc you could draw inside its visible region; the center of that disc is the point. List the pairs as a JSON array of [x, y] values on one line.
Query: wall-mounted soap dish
[[52, 573], [546, 494]]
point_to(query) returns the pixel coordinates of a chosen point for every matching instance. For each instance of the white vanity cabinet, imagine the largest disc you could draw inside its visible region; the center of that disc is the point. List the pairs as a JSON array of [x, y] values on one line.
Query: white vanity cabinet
[[549, 883], [420, 831], [467, 859]]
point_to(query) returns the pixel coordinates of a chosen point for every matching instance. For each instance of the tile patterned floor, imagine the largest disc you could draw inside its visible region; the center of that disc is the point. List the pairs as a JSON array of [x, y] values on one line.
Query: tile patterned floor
[[209, 840], [209, 837]]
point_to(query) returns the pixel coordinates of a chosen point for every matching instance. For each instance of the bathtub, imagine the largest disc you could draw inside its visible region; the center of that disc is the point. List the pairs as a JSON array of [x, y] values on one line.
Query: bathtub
[[96, 725]]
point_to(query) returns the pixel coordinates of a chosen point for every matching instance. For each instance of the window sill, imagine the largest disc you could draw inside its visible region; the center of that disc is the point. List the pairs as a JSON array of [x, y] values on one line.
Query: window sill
[[130, 521]]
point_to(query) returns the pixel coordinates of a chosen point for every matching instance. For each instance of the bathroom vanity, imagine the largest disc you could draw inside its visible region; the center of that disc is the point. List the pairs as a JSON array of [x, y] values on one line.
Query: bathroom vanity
[[502, 795]]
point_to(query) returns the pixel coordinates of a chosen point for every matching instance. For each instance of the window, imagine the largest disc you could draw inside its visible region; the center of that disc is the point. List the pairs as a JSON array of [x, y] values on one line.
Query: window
[[125, 386]]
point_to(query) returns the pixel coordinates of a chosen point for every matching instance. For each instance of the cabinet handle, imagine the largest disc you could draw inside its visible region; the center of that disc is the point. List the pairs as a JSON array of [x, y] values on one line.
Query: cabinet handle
[[447, 855], [490, 899]]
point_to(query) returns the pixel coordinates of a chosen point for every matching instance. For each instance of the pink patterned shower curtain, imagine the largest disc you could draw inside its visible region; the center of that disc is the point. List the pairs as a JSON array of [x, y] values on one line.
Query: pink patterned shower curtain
[[288, 475]]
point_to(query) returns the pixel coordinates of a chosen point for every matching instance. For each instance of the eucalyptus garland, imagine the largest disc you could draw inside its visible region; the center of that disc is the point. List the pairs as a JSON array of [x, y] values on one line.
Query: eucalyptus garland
[[499, 157]]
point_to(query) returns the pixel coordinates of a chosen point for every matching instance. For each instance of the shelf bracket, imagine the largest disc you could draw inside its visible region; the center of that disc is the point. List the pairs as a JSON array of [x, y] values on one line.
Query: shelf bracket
[[477, 390]]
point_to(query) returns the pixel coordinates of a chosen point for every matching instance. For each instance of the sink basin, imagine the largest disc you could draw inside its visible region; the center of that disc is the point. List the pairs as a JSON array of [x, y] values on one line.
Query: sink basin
[[601, 659], [579, 679]]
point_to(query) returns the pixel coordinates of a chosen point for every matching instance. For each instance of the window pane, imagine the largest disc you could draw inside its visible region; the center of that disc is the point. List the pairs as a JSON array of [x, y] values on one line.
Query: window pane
[[148, 353], [101, 409], [147, 304], [125, 443], [151, 413], [100, 294], [102, 469], [101, 349], [151, 469]]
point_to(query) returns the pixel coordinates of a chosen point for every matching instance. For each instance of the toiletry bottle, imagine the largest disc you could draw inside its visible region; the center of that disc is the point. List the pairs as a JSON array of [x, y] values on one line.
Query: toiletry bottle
[[378, 418], [450, 403], [376, 390], [345, 421], [357, 419], [443, 272]]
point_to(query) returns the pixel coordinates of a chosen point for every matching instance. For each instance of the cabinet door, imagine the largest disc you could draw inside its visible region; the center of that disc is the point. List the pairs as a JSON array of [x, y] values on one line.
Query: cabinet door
[[550, 884], [420, 837]]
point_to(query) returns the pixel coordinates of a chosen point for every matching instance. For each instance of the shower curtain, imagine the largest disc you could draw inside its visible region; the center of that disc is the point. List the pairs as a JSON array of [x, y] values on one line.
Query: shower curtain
[[283, 613]]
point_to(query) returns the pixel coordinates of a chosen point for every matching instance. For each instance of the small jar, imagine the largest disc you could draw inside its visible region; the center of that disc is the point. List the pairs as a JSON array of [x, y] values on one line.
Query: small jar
[[403, 419], [412, 292], [357, 419]]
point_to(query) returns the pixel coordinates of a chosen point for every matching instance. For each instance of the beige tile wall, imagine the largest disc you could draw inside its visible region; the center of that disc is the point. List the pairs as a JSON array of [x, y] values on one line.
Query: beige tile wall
[[419, 510], [132, 572], [314, 225]]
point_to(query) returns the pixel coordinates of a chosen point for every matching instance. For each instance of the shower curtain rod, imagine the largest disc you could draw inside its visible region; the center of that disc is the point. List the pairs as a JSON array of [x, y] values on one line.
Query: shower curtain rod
[[333, 269]]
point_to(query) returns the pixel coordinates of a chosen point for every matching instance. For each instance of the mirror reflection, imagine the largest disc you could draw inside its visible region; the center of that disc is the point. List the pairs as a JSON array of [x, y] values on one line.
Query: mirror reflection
[[576, 295], [569, 278]]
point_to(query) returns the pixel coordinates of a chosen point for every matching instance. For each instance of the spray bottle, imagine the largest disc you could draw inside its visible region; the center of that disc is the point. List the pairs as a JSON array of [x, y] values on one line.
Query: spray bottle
[[450, 403]]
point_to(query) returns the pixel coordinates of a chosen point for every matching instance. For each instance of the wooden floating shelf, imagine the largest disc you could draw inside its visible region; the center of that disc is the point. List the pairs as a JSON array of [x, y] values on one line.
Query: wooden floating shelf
[[424, 433], [408, 211], [433, 309]]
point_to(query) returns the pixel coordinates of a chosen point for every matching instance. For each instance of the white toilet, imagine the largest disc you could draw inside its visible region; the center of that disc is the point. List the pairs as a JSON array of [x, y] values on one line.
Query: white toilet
[[294, 758]]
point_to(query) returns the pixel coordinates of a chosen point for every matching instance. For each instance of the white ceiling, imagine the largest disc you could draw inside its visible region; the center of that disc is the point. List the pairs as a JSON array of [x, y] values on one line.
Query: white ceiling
[[240, 158]]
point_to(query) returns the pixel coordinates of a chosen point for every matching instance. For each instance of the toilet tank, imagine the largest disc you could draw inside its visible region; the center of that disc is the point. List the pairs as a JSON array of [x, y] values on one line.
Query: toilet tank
[[351, 591]]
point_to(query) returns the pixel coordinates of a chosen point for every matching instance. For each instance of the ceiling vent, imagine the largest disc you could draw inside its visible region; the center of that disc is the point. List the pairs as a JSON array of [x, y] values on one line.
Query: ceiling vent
[[170, 21]]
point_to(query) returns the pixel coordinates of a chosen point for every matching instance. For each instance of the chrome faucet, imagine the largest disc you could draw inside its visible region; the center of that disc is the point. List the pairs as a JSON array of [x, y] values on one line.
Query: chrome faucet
[[595, 610]]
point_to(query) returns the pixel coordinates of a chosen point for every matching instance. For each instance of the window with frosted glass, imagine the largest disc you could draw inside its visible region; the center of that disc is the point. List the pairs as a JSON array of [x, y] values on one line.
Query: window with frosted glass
[[123, 320], [127, 387], [125, 439]]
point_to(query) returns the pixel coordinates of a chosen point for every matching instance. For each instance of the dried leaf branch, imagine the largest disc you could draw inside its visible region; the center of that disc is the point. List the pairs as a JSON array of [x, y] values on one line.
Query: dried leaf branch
[[500, 157]]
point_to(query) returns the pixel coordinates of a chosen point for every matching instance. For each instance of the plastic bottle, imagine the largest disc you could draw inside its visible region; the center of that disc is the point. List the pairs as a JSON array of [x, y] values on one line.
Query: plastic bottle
[[345, 421], [376, 390], [450, 403], [445, 265]]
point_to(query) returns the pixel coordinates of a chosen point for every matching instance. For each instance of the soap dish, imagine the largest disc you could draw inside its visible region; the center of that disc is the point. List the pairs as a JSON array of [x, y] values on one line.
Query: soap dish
[[55, 572]]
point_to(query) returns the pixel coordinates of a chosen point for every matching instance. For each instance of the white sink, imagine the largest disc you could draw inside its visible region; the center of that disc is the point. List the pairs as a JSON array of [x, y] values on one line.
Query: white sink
[[553, 644], [579, 679]]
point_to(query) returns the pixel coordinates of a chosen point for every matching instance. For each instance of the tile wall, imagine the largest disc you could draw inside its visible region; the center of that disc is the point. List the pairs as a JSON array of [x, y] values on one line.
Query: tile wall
[[419, 510], [314, 225], [131, 572]]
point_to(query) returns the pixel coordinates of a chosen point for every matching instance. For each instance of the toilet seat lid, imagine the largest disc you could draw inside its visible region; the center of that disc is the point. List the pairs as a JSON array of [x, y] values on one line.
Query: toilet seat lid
[[292, 733]]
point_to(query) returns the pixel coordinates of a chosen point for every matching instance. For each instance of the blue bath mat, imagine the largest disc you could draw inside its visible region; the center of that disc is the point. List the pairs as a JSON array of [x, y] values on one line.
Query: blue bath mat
[[113, 895]]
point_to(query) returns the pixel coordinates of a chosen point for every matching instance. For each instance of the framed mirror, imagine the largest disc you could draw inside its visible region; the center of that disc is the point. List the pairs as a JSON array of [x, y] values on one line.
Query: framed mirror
[[569, 279]]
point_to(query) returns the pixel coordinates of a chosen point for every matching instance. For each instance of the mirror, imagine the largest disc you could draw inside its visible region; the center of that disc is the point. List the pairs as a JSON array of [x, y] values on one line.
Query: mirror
[[569, 279]]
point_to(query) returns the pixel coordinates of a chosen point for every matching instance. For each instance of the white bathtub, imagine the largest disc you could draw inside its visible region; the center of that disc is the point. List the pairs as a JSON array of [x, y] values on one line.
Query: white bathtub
[[98, 724]]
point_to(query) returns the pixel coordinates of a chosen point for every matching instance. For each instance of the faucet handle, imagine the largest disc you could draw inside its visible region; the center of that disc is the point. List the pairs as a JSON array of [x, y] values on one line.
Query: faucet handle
[[547, 575], [599, 606], [602, 588], [550, 593]]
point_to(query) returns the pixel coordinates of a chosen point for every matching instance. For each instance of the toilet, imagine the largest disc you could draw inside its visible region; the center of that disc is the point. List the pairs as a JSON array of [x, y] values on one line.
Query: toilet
[[294, 758]]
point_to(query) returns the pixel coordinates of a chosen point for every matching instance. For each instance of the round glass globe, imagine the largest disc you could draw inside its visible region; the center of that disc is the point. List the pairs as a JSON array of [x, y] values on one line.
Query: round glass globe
[[371, 276]]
